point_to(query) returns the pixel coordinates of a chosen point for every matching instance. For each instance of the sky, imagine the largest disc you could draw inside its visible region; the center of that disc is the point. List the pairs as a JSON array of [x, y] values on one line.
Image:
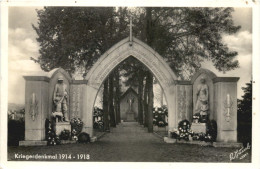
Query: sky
[[22, 45]]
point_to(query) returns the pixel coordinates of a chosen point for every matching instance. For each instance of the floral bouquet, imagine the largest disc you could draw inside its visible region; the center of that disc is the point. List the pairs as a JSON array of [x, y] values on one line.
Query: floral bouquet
[[196, 118], [159, 114], [183, 132], [74, 135], [65, 135], [98, 112], [51, 137], [77, 125]]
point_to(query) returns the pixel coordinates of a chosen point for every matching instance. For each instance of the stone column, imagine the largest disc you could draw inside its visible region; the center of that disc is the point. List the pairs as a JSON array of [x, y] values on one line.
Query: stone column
[[225, 107], [76, 98], [171, 101], [36, 110], [89, 97]]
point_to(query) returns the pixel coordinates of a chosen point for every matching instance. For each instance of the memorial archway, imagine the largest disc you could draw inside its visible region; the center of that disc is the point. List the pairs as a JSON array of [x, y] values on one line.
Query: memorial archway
[[113, 57]]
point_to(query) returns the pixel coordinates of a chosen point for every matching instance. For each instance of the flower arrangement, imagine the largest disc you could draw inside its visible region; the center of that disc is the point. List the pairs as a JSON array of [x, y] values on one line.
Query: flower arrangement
[[159, 114], [183, 132], [84, 138], [65, 135], [51, 137], [77, 125], [74, 135], [196, 118], [98, 118], [98, 111]]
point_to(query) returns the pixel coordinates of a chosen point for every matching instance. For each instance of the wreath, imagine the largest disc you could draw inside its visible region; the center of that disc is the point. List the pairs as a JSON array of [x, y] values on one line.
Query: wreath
[[159, 114], [98, 122], [51, 137], [76, 125], [65, 135], [183, 131]]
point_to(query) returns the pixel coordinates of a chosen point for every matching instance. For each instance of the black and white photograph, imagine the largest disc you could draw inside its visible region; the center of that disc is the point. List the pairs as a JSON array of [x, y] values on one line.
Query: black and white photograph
[[128, 84]]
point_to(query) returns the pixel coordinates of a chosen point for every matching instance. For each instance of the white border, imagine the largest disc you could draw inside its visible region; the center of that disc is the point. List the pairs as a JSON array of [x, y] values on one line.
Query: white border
[[171, 3]]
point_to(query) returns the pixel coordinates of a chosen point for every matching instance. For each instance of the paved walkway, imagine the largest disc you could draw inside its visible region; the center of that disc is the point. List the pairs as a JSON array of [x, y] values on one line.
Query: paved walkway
[[130, 133], [130, 142]]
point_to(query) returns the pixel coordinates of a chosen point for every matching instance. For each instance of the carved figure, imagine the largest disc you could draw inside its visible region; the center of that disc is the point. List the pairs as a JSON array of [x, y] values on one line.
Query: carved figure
[[60, 98], [202, 102], [130, 100]]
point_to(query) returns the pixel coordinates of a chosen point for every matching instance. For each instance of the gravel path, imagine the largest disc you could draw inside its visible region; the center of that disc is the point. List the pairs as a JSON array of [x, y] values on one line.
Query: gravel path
[[130, 142]]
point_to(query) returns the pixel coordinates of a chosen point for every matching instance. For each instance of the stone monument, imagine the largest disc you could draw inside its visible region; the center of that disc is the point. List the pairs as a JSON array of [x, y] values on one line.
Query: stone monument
[[201, 107], [130, 115], [129, 105], [60, 100]]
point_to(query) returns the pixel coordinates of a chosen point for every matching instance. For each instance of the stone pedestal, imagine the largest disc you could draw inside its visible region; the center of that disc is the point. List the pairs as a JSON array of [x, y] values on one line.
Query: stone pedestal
[[32, 143], [199, 127], [169, 140], [36, 110], [228, 144], [130, 116], [225, 96], [156, 128], [60, 126]]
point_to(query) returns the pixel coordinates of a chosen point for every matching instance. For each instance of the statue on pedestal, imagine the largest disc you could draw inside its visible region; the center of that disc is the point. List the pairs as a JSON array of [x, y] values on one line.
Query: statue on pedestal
[[60, 99], [202, 102], [130, 100]]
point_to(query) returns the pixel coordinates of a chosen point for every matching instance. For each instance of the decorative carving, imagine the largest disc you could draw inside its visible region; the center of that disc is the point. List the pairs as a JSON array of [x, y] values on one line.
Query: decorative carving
[[75, 105], [109, 63], [202, 100], [33, 111], [228, 108], [181, 102]]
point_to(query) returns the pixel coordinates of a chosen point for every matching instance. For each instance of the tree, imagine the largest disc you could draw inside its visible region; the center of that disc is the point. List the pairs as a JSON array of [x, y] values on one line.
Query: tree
[[77, 43], [244, 115], [183, 36], [111, 101], [105, 106]]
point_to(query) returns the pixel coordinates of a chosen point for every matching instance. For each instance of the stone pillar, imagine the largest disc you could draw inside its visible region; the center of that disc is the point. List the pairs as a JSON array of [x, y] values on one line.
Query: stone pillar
[[76, 98], [225, 107], [171, 101], [36, 110], [184, 101], [89, 97]]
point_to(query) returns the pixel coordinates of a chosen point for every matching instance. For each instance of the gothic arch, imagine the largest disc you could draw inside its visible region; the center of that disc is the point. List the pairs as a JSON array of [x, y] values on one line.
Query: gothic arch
[[113, 57]]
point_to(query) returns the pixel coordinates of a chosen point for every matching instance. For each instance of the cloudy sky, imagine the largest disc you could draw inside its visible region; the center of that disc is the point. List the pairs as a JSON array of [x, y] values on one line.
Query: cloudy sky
[[23, 45]]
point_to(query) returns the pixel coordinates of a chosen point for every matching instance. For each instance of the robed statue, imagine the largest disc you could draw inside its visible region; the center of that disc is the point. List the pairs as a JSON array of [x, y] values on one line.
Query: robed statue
[[202, 102]]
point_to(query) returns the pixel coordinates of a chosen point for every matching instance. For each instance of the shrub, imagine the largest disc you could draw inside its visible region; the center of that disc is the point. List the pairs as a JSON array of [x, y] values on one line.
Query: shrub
[[83, 138], [16, 130], [65, 135]]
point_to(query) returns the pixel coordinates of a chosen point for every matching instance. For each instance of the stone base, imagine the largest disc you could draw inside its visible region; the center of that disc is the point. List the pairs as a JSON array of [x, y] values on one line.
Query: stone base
[[169, 140], [156, 128], [68, 141], [130, 116], [32, 143], [93, 139], [228, 144], [60, 126], [202, 143], [199, 127]]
